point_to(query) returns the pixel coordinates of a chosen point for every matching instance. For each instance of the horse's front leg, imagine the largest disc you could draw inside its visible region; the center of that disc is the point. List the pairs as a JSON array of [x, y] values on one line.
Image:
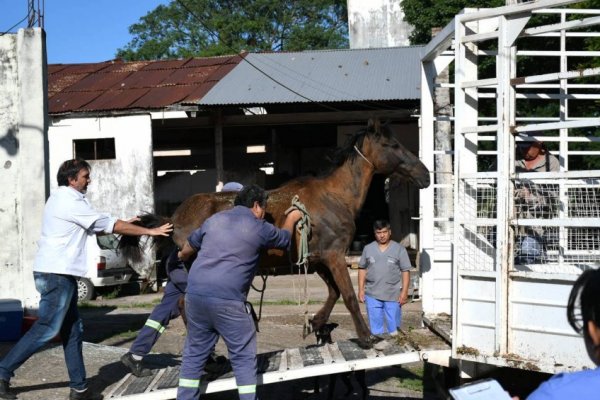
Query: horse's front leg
[[322, 316], [339, 270]]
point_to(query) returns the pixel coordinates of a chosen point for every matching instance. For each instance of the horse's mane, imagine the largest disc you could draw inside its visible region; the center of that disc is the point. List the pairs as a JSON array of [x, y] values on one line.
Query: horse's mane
[[347, 152]]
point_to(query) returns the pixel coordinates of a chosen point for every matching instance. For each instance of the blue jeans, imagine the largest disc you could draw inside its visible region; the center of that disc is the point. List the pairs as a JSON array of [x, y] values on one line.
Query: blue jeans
[[57, 314], [383, 313], [532, 250]]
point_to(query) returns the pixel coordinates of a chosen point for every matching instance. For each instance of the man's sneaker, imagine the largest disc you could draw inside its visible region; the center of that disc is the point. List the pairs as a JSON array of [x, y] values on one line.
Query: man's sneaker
[[136, 366], [85, 395], [5, 392]]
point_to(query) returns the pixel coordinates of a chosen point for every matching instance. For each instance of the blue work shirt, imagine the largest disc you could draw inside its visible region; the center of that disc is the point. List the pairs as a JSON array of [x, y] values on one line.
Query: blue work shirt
[[581, 385], [229, 245]]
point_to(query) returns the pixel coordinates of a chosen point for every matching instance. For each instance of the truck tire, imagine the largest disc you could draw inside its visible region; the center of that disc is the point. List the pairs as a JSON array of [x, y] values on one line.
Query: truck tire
[[85, 290]]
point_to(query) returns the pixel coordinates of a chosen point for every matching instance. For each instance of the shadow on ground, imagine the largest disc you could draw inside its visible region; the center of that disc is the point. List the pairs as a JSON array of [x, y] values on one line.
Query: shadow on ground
[[99, 324]]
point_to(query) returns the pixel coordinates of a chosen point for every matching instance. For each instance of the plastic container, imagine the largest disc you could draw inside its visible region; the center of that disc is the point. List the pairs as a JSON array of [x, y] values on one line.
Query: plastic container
[[11, 318]]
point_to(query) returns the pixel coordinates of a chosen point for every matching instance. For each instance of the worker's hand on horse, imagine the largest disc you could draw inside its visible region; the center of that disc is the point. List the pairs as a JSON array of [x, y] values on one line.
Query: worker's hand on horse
[[294, 214], [163, 230]]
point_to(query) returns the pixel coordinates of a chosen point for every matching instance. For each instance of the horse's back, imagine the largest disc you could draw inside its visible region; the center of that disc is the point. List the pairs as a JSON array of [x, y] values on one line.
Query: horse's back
[[192, 213]]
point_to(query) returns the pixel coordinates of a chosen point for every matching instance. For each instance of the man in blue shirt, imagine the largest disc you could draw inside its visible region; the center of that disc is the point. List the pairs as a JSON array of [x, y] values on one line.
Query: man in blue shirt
[[383, 280], [68, 221], [228, 246], [163, 313]]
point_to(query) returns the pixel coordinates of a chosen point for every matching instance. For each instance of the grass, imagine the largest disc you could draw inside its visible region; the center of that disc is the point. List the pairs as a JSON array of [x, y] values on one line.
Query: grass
[[124, 335], [284, 302], [411, 378], [89, 305], [114, 293]]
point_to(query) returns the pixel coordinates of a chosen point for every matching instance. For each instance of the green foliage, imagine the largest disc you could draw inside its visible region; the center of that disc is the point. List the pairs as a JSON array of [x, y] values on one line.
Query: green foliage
[[411, 378], [427, 14], [231, 26]]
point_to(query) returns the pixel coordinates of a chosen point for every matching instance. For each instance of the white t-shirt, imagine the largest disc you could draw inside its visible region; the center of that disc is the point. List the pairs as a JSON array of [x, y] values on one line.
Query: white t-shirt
[[68, 221]]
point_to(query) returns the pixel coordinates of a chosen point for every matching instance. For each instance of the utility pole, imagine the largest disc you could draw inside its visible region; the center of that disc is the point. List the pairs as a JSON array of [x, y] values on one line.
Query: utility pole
[[35, 13]]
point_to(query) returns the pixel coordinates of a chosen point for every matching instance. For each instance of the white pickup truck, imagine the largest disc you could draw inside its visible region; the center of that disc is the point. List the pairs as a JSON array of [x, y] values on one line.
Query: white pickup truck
[[106, 267]]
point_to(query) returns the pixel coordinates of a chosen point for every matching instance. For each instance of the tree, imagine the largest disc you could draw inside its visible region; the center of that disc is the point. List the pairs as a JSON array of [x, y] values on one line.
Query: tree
[[424, 15], [186, 28]]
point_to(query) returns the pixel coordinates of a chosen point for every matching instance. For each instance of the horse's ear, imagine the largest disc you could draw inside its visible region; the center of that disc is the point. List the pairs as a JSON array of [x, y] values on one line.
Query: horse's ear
[[373, 125]]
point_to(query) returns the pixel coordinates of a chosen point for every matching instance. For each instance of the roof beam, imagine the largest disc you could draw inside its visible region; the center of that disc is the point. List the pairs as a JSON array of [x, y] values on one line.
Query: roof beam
[[291, 119]]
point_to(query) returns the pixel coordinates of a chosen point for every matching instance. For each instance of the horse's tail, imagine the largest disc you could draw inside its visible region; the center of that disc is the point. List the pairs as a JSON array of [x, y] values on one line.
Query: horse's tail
[[132, 248]]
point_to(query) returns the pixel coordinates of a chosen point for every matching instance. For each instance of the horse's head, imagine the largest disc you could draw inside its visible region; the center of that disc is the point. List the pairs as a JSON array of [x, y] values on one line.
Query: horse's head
[[380, 148]]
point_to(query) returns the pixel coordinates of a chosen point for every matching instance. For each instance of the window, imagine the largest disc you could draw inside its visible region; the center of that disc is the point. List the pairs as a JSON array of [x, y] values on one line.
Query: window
[[94, 149]]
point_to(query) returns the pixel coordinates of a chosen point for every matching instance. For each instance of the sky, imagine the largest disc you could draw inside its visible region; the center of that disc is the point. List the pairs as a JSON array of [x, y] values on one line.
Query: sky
[[81, 31]]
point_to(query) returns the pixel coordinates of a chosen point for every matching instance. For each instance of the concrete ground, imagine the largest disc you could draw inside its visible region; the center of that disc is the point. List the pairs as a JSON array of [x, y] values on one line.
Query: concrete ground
[[110, 326]]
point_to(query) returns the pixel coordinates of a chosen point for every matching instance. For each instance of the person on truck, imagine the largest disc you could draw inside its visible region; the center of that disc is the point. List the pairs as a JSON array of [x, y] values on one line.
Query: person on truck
[[67, 222], [227, 246], [383, 280], [533, 200], [167, 310], [583, 314]]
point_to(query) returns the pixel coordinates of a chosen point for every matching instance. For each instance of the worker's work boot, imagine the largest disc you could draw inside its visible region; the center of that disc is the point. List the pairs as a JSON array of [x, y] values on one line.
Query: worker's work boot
[[5, 392], [135, 366], [87, 394]]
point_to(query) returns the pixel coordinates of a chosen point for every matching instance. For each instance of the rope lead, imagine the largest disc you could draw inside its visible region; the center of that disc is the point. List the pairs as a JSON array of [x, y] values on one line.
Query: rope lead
[[303, 227]]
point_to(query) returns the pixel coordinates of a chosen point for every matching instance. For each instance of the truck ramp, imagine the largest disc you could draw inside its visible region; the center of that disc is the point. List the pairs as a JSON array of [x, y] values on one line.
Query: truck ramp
[[280, 366]]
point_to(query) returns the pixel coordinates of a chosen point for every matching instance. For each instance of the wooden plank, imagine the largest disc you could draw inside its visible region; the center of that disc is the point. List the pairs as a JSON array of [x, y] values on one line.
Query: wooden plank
[[311, 355], [326, 354], [170, 378], [268, 362], [282, 365], [351, 350], [294, 359], [139, 385], [156, 379], [336, 354], [120, 387]]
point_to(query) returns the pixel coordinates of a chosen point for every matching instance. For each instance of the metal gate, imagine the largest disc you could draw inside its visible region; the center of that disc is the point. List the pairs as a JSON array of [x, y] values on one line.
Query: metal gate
[[481, 219]]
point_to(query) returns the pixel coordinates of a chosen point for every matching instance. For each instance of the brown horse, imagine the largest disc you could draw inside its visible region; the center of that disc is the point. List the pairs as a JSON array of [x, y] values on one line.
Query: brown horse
[[333, 202]]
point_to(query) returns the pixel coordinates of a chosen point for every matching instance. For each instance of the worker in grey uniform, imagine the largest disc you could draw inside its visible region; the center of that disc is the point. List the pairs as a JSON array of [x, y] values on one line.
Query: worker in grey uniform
[[383, 280]]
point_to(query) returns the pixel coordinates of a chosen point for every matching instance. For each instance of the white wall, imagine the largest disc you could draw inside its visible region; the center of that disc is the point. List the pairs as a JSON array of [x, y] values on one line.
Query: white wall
[[377, 23], [23, 129], [123, 186]]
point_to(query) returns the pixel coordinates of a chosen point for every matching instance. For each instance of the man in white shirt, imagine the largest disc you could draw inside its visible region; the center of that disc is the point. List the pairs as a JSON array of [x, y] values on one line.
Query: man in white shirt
[[68, 220]]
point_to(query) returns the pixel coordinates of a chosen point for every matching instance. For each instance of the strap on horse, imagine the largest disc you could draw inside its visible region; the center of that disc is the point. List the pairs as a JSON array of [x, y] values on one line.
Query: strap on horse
[[303, 227], [262, 295]]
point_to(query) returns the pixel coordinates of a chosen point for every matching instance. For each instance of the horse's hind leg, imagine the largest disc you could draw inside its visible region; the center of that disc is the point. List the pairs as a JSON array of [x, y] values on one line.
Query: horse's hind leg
[[321, 317]]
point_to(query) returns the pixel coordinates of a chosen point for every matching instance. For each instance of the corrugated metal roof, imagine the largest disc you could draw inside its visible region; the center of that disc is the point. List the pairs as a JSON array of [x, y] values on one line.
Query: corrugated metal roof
[[323, 76], [118, 85]]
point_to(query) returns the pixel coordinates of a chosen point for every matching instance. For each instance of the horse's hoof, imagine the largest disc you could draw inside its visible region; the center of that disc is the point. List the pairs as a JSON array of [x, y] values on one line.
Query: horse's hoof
[[367, 343]]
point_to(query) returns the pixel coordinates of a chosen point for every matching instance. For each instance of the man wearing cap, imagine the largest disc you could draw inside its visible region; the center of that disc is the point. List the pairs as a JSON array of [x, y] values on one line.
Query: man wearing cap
[[531, 200], [168, 309], [228, 247], [535, 157]]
